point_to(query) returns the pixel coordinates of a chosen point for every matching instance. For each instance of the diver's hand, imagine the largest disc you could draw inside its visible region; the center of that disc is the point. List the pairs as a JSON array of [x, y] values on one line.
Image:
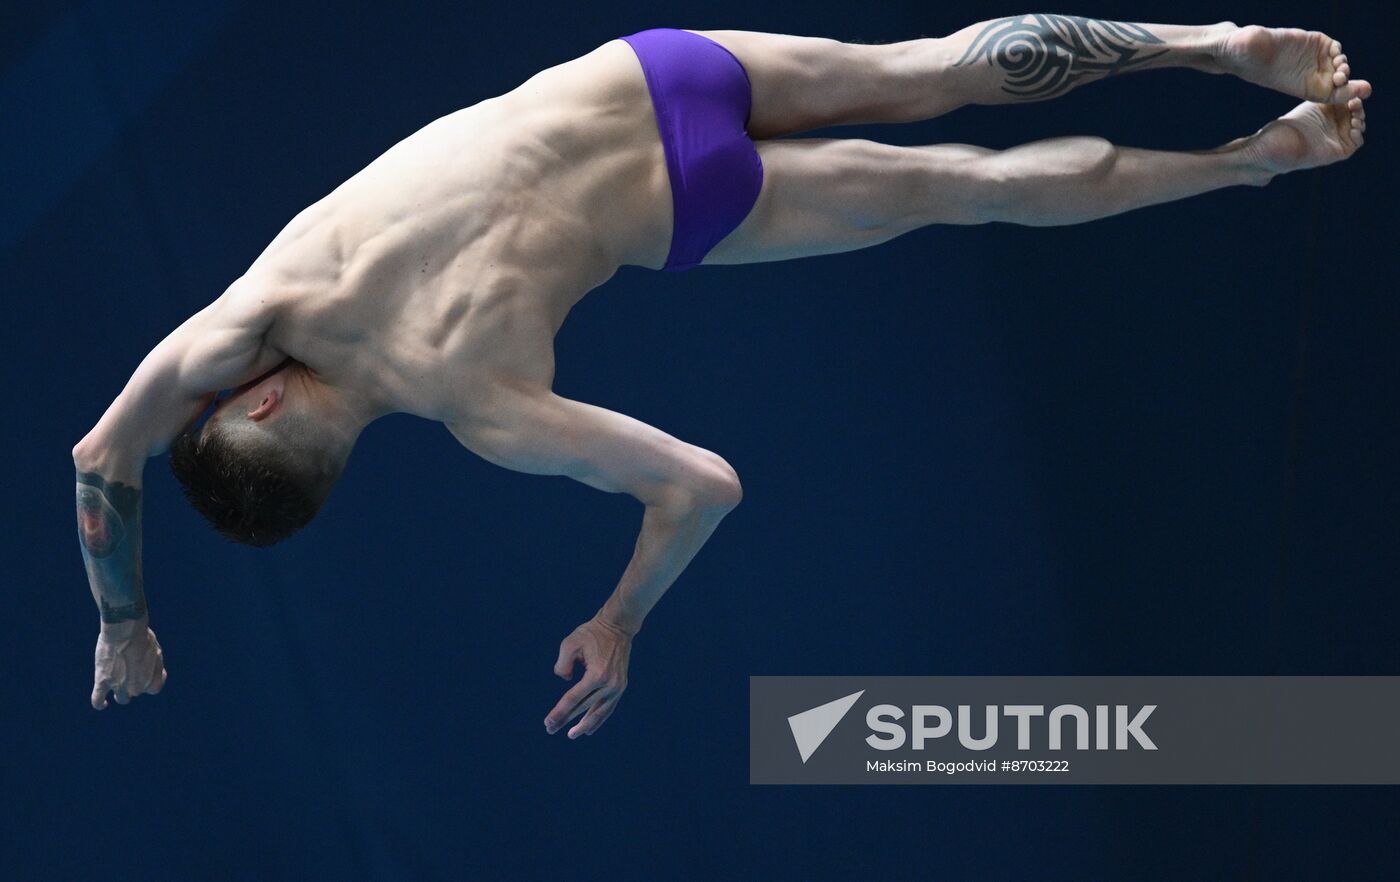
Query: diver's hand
[[128, 662], [604, 650]]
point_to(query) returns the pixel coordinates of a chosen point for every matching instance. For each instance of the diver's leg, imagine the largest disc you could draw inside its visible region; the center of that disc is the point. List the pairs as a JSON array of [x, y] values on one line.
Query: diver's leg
[[823, 195], [803, 83], [1034, 57]]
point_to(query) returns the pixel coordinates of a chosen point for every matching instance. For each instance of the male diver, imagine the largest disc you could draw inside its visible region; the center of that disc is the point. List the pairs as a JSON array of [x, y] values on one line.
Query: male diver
[[433, 281]]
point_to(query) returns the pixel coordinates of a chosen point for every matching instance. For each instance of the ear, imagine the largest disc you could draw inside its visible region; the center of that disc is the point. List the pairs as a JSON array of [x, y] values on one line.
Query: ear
[[270, 399]]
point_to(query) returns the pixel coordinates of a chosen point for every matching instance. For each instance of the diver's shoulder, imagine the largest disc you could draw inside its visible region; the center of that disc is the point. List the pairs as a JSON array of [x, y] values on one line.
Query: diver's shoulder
[[254, 301]]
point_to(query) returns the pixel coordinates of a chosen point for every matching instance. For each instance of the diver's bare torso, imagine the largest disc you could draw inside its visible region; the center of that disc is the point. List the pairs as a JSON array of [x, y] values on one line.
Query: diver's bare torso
[[446, 266]]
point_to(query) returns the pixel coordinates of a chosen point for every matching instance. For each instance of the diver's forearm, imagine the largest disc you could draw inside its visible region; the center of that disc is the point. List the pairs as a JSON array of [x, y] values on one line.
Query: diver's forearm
[[109, 534], [669, 539]]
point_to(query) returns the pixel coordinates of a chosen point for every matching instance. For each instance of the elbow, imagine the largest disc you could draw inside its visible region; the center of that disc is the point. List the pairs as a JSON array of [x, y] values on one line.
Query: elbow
[[83, 455], [699, 483], [714, 485], [92, 455], [723, 495]]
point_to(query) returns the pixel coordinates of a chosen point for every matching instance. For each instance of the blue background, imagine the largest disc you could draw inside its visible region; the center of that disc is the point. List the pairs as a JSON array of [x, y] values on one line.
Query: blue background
[[1162, 443]]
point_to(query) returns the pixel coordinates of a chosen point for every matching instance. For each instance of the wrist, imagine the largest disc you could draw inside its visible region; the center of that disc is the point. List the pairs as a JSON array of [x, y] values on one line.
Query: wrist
[[616, 620], [126, 629]]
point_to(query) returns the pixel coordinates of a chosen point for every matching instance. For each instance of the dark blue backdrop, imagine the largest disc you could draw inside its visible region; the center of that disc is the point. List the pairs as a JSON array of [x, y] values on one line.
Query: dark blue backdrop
[[1160, 443]]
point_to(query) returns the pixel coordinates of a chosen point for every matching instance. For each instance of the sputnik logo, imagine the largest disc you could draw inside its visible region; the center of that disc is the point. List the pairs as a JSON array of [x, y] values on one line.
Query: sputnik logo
[[810, 728]]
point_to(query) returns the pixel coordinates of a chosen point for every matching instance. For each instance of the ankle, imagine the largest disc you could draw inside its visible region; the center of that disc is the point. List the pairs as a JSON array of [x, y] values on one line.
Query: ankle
[[1248, 162], [1212, 47]]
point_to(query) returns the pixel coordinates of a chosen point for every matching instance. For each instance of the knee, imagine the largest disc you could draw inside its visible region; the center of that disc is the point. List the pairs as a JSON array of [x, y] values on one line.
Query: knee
[[919, 79], [1096, 158], [1078, 159], [1030, 183]]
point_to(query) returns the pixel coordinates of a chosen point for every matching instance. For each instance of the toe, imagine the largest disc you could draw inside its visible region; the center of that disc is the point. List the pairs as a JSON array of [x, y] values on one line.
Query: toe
[[1336, 48], [1352, 93]]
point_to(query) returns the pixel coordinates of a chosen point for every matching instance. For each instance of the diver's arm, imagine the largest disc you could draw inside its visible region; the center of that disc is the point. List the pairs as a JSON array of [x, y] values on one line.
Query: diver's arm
[[166, 394], [686, 491], [109, 462]]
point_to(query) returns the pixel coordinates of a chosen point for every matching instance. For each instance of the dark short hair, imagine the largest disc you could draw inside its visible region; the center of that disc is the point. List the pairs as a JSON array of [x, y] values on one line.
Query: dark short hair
[[250, 493]]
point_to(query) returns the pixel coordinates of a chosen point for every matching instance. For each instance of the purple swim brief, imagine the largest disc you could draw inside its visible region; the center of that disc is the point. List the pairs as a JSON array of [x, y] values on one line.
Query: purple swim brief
[[702, 97]]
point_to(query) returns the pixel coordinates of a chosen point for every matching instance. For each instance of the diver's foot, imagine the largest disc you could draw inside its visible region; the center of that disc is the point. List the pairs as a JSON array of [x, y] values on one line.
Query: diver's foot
[[1304, 64], [1307, 136]]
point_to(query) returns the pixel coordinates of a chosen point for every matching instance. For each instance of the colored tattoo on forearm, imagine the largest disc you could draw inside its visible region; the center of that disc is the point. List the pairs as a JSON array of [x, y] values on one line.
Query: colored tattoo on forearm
[[109, 531], [1046, 55]]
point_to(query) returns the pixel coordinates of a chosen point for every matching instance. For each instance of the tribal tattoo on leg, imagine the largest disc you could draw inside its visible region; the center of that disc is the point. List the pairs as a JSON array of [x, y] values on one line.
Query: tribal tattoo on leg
[[109, 531], [1044, 56]]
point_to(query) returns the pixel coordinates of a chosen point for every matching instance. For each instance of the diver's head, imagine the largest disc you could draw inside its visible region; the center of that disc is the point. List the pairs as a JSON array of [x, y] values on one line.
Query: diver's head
[[266, 459]]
